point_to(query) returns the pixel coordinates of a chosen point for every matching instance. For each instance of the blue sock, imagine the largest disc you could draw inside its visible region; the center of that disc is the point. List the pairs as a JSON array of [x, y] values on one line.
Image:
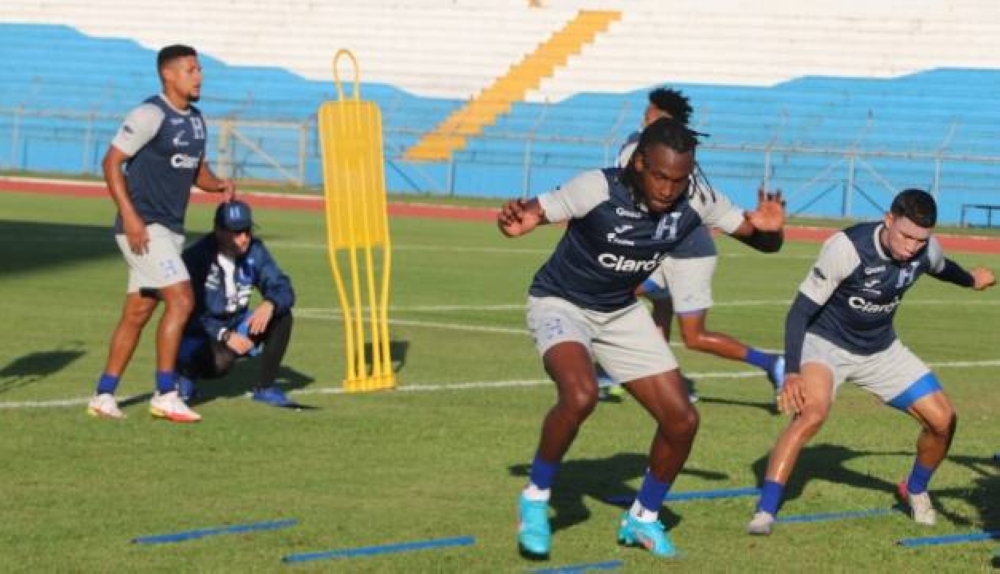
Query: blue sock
[[760, 359], [165, 382], [770, 497], [652, 492], [107, 384], [543, 473], [919, 477]]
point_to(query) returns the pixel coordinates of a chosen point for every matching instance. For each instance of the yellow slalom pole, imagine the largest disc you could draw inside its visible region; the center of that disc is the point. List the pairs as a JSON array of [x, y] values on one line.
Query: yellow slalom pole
[[358, 242]]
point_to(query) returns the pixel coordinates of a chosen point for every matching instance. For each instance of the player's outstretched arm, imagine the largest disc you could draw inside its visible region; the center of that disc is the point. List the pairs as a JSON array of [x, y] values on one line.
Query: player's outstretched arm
[[763, 228], [520, 216]]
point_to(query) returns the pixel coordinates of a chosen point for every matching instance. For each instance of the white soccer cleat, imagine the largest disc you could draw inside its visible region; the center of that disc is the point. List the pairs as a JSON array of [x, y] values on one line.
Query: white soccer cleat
[[104, 406], [761, 524], [170, 406], [921, 508]]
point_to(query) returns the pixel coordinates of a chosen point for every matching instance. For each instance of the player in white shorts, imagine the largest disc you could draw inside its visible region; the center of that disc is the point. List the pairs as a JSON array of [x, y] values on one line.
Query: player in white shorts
[[840, 329]]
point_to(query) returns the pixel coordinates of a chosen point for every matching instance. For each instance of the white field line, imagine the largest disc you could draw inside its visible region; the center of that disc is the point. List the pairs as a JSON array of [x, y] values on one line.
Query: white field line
[[465, 386]]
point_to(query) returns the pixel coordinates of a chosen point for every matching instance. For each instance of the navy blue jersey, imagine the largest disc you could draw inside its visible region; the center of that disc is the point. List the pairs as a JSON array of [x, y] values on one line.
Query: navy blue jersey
[[612, 243], [222, 287], [166, 147], [859, 287]]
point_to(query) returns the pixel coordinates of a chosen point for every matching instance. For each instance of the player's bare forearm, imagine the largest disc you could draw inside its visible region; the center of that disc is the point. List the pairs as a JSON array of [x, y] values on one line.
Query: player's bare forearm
[[520, 216], [211, 183]]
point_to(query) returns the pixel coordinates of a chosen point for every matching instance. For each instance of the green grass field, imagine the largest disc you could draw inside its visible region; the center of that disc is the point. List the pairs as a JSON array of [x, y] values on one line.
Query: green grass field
[[446, 454]]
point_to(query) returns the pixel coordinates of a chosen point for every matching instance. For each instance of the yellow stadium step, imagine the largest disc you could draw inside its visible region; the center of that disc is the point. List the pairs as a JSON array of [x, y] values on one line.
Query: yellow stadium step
[[495, 100]]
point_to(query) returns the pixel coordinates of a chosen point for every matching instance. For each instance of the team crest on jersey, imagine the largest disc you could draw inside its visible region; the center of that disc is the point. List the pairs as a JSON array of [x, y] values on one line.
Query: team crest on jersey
[[666, 228], [198, 127], [907, 275]]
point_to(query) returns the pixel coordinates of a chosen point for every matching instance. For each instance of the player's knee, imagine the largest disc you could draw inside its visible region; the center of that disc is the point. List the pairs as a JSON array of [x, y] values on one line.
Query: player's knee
[[944, 424], [687, 423], [580, 400], [811, 419]]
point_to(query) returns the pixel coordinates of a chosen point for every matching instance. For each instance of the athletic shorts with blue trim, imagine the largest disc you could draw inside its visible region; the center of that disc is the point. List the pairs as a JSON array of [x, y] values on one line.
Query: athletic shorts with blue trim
[[896, 375]]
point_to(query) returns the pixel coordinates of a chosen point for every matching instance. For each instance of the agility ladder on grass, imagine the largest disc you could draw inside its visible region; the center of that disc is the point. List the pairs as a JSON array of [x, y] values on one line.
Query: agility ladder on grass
[[350, 133]]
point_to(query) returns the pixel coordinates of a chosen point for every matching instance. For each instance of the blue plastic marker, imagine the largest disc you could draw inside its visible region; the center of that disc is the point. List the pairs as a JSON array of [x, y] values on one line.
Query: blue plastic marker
[[824, 516], [201, 533], [693, 495], [950, 538], [574, 568], [383, 549]]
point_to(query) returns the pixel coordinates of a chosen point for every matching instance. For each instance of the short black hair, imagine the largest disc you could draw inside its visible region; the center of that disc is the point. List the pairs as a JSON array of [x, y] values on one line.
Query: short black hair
[[669, 132], [916, 205], [171, 53], [673, 103]]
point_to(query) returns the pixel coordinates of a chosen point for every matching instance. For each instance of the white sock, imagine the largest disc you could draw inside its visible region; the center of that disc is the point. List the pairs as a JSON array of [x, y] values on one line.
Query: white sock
[[535, 494], [641, 513]]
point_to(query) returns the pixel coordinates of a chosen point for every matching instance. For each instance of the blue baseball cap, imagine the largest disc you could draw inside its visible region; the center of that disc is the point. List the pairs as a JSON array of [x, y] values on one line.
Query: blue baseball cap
[[234, 216]]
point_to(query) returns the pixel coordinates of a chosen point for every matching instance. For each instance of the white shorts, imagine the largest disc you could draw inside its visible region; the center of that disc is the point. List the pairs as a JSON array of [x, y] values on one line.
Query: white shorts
[[688, 282], [889, 374], [161, 266], [625, 342]]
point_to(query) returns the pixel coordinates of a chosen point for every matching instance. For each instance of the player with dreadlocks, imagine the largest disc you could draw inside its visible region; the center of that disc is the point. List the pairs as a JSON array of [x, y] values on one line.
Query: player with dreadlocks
[[621, 223], [682, 284]]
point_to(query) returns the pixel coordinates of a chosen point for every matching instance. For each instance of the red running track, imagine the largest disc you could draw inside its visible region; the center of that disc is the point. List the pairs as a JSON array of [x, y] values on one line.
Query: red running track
[[964, 243]]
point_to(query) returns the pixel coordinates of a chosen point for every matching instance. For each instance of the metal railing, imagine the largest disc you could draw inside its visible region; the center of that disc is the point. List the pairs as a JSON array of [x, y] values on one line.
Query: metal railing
[[843, 182]]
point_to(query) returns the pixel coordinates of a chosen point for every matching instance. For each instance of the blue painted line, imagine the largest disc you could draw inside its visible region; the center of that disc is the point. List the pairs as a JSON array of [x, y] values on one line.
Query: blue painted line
[[824, 516], [574, 568], [950, 538], [692, 495], [201, 533], [383, 549]]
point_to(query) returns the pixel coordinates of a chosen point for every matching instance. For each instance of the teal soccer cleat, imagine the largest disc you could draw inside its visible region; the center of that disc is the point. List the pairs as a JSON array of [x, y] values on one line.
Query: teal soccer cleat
[[649, 535], [534, 536]]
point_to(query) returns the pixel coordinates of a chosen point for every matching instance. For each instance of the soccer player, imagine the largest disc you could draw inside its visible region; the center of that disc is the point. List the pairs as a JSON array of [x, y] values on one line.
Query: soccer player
[[682, 284], [226, 265], [582, 306], [161, 146], [840, 328]]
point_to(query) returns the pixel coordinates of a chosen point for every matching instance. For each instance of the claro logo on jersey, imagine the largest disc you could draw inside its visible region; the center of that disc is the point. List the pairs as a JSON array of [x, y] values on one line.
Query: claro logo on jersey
[[626, 265], [184, 161], [865, 306]]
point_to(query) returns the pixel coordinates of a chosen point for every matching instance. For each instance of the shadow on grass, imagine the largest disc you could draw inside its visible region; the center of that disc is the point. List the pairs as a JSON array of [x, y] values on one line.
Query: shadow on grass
[[983, 494], [601, 479], [243, 377], [828, 462], [768, 406], [30, 246], [32, 367]]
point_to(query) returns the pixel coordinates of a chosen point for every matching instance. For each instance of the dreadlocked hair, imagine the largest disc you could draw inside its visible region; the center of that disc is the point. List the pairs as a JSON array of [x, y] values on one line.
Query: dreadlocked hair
[[672, 102]]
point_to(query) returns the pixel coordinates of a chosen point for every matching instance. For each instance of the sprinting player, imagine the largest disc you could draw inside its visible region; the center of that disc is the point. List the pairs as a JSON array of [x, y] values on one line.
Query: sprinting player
[[840, 328], [682, 284], [226, 266], [582, 306], [150, 166]]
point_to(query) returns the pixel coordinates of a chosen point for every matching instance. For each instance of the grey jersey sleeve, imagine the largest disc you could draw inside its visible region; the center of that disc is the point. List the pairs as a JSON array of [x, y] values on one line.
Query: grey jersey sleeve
[[935, 254], [576, 197], [138, 129], [628, 148], [837, 260], [717, 210]]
